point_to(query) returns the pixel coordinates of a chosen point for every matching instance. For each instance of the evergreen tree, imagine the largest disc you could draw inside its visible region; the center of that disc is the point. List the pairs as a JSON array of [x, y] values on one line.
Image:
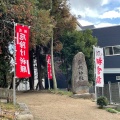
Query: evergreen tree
[[6, 38], [74, 42], [63, 20]]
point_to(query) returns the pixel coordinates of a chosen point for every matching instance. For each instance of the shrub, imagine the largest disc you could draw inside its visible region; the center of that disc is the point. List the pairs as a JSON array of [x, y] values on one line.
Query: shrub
[[102, 101]]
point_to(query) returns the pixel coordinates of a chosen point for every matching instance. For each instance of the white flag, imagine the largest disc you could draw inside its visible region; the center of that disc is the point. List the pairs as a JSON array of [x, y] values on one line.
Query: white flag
[[99, 63]]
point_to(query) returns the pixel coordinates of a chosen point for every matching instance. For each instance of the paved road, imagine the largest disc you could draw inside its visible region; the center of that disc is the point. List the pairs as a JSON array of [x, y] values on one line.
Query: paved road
[[47, 106]]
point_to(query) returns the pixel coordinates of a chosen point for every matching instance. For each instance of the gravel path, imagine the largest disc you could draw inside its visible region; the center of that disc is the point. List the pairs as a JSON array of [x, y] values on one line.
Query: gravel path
[[47, 106]]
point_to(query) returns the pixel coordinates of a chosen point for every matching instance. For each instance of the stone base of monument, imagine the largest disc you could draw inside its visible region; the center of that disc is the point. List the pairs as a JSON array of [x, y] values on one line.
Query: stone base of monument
[[84, 96], [24, 113], [81, 90]]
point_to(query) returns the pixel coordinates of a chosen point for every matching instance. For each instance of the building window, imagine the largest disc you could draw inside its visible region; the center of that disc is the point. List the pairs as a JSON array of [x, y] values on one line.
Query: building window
[[108, 51], [116, 49], [117, 77], [112, 50]]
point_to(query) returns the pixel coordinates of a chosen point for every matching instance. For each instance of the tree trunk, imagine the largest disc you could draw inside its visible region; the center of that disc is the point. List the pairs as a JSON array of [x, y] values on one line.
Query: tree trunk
[[5, 82], [17, 83], [52, 62], [39, 68], [31, 79], [11, 84]]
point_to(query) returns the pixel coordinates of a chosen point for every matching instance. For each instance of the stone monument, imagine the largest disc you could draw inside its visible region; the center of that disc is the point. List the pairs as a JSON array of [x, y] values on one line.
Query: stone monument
[[79, 74]]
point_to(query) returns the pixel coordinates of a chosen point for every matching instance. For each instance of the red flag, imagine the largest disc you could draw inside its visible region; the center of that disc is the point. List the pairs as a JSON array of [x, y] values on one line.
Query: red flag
[[22, 51], [49, 70]]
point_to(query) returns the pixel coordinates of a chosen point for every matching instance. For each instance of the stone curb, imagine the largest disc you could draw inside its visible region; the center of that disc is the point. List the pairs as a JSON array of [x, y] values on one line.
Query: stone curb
[[24, 113], [84, 96]]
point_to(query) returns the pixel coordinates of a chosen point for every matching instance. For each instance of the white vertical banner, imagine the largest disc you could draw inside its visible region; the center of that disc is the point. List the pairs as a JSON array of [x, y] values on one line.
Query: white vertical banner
[[99, 63]]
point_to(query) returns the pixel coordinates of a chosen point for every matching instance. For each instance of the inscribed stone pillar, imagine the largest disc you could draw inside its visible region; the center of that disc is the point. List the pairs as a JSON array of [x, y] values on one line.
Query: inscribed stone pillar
[[79, 74]]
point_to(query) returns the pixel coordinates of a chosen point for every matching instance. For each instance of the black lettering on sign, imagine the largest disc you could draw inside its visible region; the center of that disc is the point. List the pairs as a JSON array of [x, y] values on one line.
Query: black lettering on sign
[[81, 78], [79, 62], [98, 53], [80, 67], [81, 72]]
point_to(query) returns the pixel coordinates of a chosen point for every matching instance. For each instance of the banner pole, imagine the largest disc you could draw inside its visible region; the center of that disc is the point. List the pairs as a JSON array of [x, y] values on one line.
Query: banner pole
[[48, 74], [94, 73], [49, 83], [14, 92]]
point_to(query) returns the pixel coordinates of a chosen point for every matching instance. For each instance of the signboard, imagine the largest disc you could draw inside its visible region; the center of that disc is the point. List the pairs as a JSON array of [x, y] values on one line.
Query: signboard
[[99, 63], [22, 51], [49, 68]]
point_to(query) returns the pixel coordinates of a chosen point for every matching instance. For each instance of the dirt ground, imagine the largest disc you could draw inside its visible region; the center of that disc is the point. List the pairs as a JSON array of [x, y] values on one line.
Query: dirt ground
[[48, 106]]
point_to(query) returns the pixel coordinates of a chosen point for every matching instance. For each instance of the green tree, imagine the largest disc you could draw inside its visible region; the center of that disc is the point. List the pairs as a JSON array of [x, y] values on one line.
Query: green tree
[[63, 20], [5, 39], [27, 12], [74, 42], [46, 24], [44, 4]]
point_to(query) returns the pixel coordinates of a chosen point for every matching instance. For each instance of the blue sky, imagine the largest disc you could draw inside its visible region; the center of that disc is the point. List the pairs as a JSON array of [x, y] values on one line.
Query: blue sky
[[101, 13]]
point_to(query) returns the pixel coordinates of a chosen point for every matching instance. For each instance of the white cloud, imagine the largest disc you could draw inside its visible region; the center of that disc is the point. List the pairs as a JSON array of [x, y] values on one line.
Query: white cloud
[[91, 8], [110, 14], [117, 9], [95, 11], [91, 13], [104, 2], [85, 8]]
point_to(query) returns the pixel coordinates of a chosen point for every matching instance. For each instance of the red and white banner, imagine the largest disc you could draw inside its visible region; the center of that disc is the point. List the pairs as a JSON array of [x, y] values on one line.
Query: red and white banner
[[49, 68], [99, 63], [22, 51]]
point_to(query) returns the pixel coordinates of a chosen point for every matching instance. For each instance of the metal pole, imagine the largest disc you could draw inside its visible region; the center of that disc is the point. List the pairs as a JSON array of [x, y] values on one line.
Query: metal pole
[[14, 92], [102, 91], [95, 92], [48, 78], [119, 89], [109, 83], [48, 84], [94, 73]]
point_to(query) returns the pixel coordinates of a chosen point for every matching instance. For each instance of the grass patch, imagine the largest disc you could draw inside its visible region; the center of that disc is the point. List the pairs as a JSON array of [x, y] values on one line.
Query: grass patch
[[9, 106], [111, 110], [7, 111], [118, 110], [62, 92]]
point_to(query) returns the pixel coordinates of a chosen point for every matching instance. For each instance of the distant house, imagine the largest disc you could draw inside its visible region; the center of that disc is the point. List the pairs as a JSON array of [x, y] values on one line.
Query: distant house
[[109, 39]]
